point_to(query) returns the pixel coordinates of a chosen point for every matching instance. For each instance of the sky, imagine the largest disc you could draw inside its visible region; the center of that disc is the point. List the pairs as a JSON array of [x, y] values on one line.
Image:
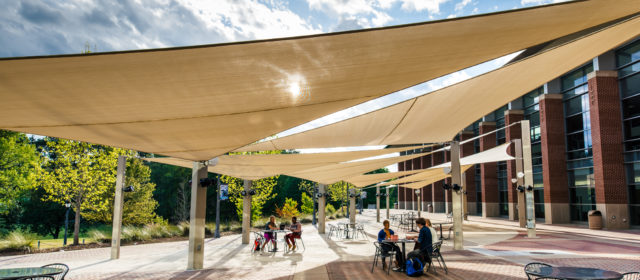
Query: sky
[[50, 27]]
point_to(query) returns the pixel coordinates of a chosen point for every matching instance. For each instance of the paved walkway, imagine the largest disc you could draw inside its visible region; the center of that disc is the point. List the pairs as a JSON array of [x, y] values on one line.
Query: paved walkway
[[494, 249]]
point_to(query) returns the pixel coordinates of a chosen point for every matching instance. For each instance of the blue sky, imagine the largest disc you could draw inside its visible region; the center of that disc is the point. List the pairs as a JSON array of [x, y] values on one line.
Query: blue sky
[[48, 27]]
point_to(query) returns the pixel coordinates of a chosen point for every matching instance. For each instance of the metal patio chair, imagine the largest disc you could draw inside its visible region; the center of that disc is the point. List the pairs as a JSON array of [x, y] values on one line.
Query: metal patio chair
[[61, 275], [380, 254], [631, 276], [435, 254], [534, 267]]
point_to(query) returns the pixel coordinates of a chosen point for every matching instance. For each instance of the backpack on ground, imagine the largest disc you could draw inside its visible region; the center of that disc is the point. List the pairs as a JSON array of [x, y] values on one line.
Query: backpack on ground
[[414, 267]]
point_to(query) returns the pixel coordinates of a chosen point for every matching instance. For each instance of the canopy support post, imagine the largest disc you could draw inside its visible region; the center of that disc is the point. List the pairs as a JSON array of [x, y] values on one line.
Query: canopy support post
[[197, 217], [522, 209], [465, 209], [352, 206], [419, 200], [528, 178], [117, 208], [378, 203], [387, 197], [246, 212], [456, 196], [322, 200]]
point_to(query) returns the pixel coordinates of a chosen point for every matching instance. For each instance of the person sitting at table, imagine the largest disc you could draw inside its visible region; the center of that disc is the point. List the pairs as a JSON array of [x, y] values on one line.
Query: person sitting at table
[[268, 236], [434, 233], [384, 234], [423, 248], [296, 231]]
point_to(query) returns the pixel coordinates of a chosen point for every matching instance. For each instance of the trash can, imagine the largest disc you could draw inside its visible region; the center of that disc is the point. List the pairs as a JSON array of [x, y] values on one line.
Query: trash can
[[595, 219], [395, 205], [430, 208]]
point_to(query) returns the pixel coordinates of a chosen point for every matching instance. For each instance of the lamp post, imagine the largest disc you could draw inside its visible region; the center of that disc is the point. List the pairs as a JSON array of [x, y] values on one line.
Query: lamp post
[[66, 223], [419, 199]]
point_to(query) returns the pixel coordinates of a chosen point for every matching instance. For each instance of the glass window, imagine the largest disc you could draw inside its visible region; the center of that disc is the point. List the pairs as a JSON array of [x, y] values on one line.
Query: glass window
[[631, 107], [633, 173], [628, 54], [576, 105], [580, 154], [581, 178], [576, 77], [633, 68], [578, 141], [634, 194], [630, 85], [632, 128]]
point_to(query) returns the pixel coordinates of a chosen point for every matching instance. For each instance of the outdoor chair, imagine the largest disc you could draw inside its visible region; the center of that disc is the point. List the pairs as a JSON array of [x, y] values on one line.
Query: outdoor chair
[[332, 230], [295, 241], [257, 236], [64, 267], [435, 254], [382, 255], [38, 278], [360, 230], [631, 276], [534, 267]]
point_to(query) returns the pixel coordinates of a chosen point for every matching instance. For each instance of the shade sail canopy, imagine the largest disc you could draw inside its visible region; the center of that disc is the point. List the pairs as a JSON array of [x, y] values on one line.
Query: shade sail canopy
[[440, 115], [436, 174], [431, 180], [333, 173], [368, 179], [258, 166], [494, 154], [200, 102]]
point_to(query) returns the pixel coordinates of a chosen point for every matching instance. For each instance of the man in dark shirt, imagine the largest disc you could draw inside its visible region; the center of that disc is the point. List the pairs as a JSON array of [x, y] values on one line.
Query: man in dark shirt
[[424, 243]]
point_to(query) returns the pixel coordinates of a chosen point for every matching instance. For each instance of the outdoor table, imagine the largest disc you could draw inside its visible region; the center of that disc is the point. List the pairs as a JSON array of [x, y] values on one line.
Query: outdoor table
[[404, 251], [21, 272], [573, 273], [412, 221], [275, 236], [441, 223], [346, 228]]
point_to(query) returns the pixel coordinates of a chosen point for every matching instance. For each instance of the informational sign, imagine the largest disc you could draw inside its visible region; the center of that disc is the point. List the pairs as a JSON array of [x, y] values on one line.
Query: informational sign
[[363, 195], [224, 192]]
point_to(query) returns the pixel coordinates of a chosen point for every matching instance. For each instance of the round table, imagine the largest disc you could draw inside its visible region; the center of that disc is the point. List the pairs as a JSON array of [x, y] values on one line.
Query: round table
[[571, 273], [20, 272]]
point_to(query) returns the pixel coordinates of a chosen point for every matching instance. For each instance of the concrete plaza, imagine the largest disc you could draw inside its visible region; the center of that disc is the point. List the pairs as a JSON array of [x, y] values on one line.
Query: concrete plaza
[[494, 249]]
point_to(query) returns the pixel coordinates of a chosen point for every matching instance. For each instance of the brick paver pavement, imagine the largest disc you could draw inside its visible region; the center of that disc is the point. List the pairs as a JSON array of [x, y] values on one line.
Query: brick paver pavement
[[495, 249]]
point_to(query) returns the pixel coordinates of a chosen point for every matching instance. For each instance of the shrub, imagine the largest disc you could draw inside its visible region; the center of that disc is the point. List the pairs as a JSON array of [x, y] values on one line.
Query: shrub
[[307, 204], [17, 240], [183, 227], [329, 209], [157, 230], [100, 236], [132, 234], [290, 209]]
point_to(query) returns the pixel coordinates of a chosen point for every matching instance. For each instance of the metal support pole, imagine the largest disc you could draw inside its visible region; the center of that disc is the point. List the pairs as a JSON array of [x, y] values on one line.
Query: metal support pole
[[528, 178], [465, 209], [66, 224], [378, 203], [197, 217], [387, 196], [419, 199], [117, 208], [321, 205], [246, 212], [217, 232], [522, 209], [456, 196], [315, 208]]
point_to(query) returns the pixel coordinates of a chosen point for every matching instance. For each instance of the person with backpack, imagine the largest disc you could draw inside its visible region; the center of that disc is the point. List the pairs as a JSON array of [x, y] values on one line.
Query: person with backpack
[[423, 249], [384, 234]]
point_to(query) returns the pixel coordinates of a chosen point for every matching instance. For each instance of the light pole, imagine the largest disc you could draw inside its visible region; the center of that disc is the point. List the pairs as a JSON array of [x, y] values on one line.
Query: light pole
[[66, 223]]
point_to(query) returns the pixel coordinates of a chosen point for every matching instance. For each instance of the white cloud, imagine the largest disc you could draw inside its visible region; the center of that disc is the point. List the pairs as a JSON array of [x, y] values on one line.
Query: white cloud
[[540, 2], [366, 13], [432, 6], [462, 4], [451, 16]]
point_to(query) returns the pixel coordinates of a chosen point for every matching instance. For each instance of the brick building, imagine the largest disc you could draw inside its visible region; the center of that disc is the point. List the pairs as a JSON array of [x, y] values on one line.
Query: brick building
[[585, 136]]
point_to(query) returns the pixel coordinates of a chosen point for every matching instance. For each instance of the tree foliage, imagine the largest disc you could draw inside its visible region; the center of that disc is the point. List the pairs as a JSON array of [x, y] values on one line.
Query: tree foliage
[[263, 192], [19, 164], [307, 204], [289, 209]]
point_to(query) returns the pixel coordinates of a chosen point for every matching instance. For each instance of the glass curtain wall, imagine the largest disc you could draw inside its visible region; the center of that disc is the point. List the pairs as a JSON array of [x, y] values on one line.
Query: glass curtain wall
[[628, 62], [531, 105], [478, 177], [578, 135]]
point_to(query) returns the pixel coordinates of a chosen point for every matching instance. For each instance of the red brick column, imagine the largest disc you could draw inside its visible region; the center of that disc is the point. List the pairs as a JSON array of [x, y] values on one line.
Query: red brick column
[[554, 165], [425, 192], [469, 177], [511, 133], [490, 194], [608, 161], [437, 193]]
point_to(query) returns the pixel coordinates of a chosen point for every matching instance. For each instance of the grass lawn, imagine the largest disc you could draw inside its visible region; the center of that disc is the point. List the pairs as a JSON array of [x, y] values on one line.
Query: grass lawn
[[57, 243]]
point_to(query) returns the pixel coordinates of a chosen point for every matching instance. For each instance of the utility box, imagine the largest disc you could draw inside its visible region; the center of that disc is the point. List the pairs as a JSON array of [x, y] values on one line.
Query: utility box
[[595, 219]]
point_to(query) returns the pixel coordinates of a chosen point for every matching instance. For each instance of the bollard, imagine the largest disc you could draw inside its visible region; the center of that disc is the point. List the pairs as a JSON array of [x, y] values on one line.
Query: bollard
[[38, 244]]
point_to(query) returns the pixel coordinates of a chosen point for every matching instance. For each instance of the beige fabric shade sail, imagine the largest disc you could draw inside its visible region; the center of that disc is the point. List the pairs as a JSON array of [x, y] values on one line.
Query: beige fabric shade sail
[[431, 180], [258, 166], [440, 115], [368, 179], [199, 102], [428, 174]]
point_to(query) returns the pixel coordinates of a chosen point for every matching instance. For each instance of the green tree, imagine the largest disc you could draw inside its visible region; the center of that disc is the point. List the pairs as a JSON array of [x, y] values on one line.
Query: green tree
[[338, 191], [81, 174], [263, 192], [139, 205], [19, 165], [307, 186], [307, 204], [172, 191], [289, 209]]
